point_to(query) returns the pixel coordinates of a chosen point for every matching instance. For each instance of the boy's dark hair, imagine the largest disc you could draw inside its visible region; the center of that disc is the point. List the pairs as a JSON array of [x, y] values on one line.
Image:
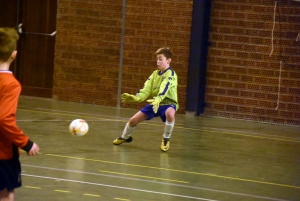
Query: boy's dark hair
[[165, 51], [8, 42]]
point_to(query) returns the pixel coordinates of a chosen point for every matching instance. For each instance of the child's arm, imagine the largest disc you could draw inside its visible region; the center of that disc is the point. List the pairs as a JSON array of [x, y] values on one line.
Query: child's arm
[[8, 126], [142, 94]]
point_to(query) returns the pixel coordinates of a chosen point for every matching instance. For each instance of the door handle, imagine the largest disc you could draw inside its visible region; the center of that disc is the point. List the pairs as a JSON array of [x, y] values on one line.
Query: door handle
[[20, 31]]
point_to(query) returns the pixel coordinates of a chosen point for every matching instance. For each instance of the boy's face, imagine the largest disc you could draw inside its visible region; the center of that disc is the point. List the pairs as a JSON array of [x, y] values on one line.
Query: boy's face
[[162, 62]]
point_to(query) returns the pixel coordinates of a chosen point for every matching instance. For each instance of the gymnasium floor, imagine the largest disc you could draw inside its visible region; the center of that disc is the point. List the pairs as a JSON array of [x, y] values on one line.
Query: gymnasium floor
[[209, 158]]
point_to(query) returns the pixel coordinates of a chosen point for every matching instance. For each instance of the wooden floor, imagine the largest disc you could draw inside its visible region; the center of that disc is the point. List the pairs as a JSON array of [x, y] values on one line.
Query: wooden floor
[[209, 158]]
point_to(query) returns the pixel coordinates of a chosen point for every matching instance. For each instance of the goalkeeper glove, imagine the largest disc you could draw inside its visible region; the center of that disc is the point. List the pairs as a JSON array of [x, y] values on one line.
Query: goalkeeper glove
[[129, 98], [155, 104]]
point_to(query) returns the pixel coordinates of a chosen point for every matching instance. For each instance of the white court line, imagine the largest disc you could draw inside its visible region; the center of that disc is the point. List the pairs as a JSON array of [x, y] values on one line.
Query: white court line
[[75, 113], [248, 133], [105, 175], [164, 183], [120, 187]]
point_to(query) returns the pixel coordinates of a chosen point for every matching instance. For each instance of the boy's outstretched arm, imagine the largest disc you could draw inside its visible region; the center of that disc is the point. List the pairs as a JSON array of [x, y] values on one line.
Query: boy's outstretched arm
[[142, 95], [129, 98]]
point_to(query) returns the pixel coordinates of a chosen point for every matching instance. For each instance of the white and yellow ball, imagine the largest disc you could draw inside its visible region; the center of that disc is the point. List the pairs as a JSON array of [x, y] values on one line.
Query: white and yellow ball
[[78, 127]]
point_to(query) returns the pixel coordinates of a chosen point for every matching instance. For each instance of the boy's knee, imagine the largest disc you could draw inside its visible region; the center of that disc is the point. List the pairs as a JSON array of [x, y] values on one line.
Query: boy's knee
[[133, 122], [170, 112], [170, 116]]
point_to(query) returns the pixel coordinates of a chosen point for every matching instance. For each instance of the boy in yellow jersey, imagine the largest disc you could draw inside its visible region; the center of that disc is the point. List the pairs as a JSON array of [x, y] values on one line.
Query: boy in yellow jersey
[[161, 86]]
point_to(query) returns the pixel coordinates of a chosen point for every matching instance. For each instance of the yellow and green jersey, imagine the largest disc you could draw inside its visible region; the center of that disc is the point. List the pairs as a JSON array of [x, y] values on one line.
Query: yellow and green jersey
[[161, 85]]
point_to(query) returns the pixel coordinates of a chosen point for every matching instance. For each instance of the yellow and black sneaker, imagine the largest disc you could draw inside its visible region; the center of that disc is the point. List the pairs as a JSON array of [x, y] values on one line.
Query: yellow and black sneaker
[[120, 140], [165, 144]]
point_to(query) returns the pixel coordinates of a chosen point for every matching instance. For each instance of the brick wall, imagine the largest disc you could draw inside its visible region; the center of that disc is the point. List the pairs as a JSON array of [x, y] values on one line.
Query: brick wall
[[87, 51], [242, 79], [88, 47]]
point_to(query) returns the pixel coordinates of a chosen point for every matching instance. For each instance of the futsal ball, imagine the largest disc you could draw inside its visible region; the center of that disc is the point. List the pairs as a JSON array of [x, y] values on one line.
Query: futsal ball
[[78, 127]]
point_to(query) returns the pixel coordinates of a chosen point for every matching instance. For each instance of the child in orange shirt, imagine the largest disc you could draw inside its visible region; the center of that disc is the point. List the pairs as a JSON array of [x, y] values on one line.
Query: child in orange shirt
[[11, 137]]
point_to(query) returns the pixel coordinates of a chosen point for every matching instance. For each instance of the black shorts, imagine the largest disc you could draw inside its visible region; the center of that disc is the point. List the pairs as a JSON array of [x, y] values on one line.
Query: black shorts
[[10, 174]]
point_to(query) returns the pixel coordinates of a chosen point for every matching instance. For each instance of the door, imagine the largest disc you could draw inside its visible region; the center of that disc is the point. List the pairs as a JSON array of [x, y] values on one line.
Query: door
[[34, 65], [35, 62]]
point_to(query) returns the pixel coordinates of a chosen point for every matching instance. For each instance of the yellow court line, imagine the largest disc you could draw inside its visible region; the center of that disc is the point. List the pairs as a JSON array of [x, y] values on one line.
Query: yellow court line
[[134, 175], [92, 195], [61, 191], [184, 128], [33, 187], [121, 199], [181, 171]]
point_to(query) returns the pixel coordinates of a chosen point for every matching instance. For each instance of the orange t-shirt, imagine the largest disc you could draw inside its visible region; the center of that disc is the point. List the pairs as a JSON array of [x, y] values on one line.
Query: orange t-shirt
[[11, 137]]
